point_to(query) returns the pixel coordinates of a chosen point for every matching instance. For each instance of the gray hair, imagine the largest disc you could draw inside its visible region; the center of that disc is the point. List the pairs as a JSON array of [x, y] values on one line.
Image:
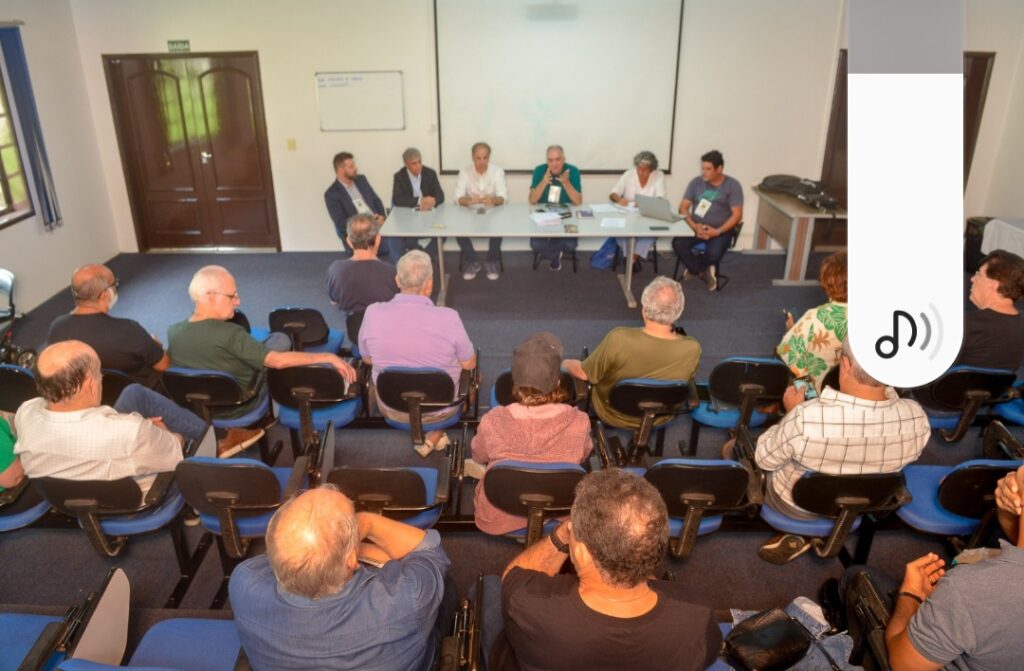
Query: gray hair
[[206, 280], [622, 520], [362, 231], [411, 154], [320, 567], [662, 301], [646, 157], [478, 145], [859, 374], [414, 270], [553, 147]]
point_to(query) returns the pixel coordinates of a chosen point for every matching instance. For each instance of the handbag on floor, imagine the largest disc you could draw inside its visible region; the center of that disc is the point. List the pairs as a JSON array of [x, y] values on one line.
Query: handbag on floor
[[768, 641], [604, 257]]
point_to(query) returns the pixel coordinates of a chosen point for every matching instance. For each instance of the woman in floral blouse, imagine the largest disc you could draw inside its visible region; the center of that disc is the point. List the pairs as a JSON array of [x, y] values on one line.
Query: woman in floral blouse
[[811, 346]]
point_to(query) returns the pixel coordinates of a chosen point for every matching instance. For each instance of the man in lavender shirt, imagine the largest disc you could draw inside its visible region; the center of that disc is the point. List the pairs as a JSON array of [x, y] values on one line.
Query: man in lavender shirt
[[410, 331]]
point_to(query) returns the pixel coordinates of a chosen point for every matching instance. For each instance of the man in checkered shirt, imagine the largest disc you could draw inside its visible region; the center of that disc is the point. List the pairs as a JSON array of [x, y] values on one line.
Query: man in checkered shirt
[[864, 427]]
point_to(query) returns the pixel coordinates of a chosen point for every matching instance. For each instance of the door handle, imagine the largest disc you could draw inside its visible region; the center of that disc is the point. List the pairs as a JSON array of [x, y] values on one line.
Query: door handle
[[205, 156]]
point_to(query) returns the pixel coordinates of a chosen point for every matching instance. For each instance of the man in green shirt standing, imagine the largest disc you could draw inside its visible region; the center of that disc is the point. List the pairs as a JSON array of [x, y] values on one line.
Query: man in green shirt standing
[[654, 351], [557, 183]]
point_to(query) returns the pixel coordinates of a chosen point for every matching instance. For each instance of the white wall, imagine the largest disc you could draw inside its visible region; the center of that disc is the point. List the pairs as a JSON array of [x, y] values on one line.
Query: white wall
[[43, 261], [1005, 196]]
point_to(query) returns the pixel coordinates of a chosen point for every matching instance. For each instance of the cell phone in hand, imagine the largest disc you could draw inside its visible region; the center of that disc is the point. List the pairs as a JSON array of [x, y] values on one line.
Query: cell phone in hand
[[806, 385]]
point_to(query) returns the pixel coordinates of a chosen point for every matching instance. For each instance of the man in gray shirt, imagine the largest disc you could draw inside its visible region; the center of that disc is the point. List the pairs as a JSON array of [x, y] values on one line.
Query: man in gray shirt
[[353, 284]]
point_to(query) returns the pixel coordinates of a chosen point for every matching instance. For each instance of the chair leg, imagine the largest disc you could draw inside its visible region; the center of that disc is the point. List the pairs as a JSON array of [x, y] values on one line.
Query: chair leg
[[659, 443], [188, 565], [675, 273], [574, 260], [536, 260], [227, 565], [694, 437], [296, 443], [654, 256]]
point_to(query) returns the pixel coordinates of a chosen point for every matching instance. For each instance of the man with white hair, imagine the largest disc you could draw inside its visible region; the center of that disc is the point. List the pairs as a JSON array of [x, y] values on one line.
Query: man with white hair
[[208, 340], [654, 351], [415, 186], [308, 603], [410, 331]]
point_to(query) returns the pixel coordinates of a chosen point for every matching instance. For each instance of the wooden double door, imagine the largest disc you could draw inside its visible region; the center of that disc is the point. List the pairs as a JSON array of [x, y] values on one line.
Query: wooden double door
[[193, 141]]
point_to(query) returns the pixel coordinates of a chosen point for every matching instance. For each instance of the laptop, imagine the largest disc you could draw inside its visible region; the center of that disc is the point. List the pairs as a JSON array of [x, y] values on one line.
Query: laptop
[[657, 208]]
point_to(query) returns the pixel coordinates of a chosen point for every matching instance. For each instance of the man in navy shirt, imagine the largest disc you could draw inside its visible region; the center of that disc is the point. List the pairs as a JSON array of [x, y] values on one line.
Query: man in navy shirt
[[350, 194]]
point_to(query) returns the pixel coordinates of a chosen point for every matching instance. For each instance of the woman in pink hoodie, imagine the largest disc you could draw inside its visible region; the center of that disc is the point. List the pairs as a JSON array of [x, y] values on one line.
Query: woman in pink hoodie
[[539, 427]]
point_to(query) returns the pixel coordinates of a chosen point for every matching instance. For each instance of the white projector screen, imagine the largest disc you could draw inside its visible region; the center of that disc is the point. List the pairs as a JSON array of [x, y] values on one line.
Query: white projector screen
[[595, 76]]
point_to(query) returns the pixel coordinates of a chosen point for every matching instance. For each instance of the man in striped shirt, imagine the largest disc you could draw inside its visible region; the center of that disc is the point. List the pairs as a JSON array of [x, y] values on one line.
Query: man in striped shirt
[[864, 427]]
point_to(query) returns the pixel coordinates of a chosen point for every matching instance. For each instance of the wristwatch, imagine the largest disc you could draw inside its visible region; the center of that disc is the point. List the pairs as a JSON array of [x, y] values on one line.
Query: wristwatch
[[559, 545]]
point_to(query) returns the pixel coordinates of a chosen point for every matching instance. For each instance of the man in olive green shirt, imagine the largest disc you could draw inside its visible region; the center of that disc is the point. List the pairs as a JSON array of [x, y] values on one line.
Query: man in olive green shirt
[[654, 351], [207, 340]]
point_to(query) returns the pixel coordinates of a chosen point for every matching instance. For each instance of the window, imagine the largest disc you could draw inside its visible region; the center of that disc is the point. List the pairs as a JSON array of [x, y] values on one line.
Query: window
[[14, 199]]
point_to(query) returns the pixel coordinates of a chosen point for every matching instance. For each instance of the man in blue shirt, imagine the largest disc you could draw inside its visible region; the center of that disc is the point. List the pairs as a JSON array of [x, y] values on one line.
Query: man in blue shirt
[[308, 603], [558, 183], [713, 207]]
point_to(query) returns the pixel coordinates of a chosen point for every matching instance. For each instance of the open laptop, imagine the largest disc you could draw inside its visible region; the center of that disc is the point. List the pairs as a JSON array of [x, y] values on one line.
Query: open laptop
[[657, 208]]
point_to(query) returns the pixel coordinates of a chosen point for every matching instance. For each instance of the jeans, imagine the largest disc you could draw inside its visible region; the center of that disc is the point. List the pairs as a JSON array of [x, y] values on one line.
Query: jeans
[[493, 247], [278, 342], [398, 246], [148, 403], [714, 250], [642, 247], [548, 248]]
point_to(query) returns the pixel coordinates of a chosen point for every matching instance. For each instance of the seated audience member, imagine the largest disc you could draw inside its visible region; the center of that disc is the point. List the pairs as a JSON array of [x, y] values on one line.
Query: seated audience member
[[539, 427], [713, 206], [362, 280], [863, 427], [557, 183], [207, 340], [11, 472], [811, 346], [410, 331], [350, 194], [309, 604], [481, 185], [994, 333], [67, 433], [122, 344], [652, 351], [613, 613], [415, 186], [643, 179]]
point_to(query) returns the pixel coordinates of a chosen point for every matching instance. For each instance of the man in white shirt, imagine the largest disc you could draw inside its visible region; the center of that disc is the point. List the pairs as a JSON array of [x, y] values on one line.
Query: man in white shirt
[[481, 186]]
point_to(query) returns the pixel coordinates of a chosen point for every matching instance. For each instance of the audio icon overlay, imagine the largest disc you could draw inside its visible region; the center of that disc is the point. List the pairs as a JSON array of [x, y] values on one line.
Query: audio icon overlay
[[887, 346]]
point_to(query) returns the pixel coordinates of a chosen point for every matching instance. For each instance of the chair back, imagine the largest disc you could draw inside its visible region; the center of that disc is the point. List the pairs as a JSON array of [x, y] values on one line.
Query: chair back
[[722, 485], [950, 391], [114, 382], [511, 486], [503, 387], [664, 396], [727, 378], [381, 488], [17, 385], [321, 384], [969, 489], [305, 326], [354, 322], [73, 497], [240, 319], [194, 388], [209, 484], [826, 495], [435, 385], [6, 294]]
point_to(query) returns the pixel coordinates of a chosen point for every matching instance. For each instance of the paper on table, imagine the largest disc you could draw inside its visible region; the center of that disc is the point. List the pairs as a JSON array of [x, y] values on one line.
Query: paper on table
[[626, 208], [603, 207], [546, 218], [613, 222]]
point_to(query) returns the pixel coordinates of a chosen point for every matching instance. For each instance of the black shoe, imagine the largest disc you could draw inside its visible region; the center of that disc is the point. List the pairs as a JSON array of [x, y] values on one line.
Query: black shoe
[[784, 548], [637, 267]]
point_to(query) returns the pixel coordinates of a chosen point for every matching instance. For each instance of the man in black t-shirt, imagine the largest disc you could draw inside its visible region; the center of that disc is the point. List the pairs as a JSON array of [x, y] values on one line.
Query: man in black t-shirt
[[612, 614], [353, 284], [122, 344], [994, 333]]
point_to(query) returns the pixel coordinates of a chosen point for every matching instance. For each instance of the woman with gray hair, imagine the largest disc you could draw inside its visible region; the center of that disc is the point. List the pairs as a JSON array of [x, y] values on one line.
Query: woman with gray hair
[[643, 179]]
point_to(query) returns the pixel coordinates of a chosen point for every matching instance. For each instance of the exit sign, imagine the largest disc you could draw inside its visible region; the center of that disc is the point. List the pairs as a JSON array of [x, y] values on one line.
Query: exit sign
[[178, 45]]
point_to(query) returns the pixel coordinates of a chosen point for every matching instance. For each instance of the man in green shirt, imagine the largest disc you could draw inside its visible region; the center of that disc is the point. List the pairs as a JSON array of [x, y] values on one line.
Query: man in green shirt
[[207, 340], [653, 351], [558, 183]]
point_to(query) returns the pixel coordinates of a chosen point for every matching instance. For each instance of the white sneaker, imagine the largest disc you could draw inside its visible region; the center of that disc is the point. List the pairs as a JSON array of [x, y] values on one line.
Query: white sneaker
[[492, 270], [473, 470], [471, 271]]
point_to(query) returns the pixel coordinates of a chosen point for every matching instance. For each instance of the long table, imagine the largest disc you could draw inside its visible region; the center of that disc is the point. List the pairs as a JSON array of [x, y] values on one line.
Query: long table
[[790, 222], [513, 221]]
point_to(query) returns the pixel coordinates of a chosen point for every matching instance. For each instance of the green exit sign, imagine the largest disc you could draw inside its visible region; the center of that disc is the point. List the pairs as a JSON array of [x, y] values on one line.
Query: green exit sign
[[178, 45]]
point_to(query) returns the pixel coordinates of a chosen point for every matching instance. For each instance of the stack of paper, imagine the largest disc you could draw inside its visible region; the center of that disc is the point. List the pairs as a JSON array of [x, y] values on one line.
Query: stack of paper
[[613, 222], [603, 208], [546, 219]]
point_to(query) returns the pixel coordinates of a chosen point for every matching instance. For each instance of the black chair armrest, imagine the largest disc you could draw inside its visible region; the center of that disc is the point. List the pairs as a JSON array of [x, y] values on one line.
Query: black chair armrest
[[255, 388], [692, 395], [45, 645], [159, 489], [11, 494], [997, 443], [444, 481], [601, 445], [295, 478]]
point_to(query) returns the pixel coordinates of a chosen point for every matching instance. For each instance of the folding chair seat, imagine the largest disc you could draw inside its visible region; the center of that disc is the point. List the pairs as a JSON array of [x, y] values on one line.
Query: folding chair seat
[[998, 443], [954, 501], [20, 507], [650, 401], [307, 329], [17, 385], [420, 391], [109, 511], [310, 397], [114, 382], [1011, 412], [354, 322], [501, 390], [538, 491], [952, 402], [735, 388]]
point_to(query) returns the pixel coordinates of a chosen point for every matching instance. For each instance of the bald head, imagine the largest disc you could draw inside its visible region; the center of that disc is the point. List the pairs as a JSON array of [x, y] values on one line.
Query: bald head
[[312, 543], [89, 283], [64, 372]]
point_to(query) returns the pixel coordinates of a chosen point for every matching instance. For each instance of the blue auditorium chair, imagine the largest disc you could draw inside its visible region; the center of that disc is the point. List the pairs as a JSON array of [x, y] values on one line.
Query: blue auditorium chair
[[998, 443], [537, 491], [953, 401], [21, 506], [653, 403], [307, 329], [420, 391], [311, 397]]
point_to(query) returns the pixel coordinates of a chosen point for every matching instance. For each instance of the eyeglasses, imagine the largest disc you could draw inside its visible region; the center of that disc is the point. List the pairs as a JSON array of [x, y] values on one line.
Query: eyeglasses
[[232, 296]]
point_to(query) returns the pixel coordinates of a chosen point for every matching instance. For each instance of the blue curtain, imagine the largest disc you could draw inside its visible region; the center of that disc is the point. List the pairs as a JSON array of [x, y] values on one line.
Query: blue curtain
[[31, 132]]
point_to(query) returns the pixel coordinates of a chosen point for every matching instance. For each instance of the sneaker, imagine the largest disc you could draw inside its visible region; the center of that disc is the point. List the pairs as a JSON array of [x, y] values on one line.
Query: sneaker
[[237, 440], [474, 470], [712, 278], [425, 449], [783, 549], [471, 271], [492, 270], [556, 263]]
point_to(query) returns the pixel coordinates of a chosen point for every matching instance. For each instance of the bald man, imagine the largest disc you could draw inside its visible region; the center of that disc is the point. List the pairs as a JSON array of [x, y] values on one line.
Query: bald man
[[207, 340], [308, 603], [122, 344], [66, 433]]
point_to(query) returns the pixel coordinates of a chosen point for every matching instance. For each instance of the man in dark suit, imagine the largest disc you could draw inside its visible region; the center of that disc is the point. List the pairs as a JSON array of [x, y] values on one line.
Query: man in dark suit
[[351, 194], [415, 186]]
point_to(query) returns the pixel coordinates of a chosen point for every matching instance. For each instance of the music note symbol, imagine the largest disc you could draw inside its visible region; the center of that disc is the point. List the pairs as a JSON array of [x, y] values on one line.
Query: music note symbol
[[894, 340]]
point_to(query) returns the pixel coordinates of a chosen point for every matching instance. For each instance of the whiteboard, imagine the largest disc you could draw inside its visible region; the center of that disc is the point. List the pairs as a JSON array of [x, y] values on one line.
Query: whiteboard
[[360, 101]]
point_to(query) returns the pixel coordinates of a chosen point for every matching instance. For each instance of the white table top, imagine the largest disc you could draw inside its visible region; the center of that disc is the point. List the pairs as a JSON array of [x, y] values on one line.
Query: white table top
[[513, 221]]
